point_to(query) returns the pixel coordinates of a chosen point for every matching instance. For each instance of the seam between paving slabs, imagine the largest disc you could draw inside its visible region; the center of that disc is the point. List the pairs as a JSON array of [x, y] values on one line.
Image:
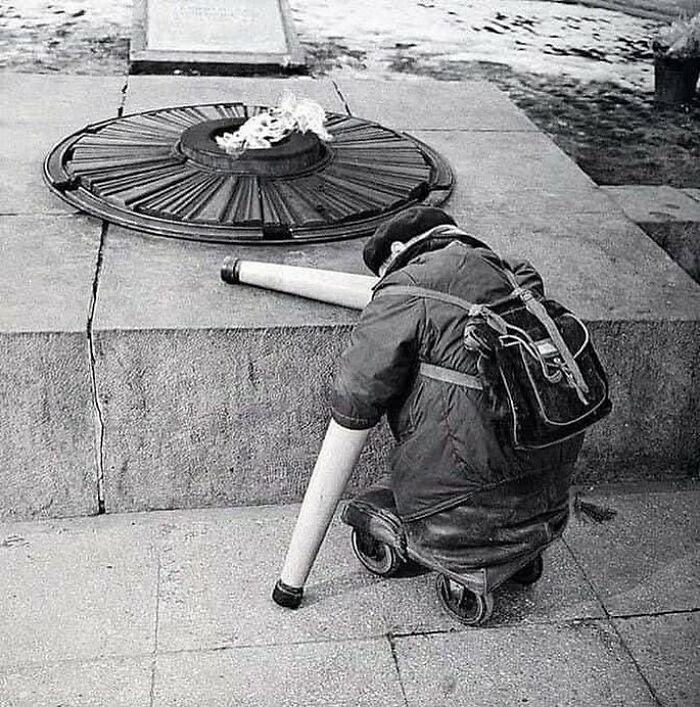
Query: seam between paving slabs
[[137, 655], [122, 98], [96, 405], [341, 96], [612, 625], [666, 612], [154, 655], [395, 659], [393, 636]]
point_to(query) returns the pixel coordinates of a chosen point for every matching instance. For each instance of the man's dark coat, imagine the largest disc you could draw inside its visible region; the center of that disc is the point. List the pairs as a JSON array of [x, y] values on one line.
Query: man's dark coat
[[464, 494]]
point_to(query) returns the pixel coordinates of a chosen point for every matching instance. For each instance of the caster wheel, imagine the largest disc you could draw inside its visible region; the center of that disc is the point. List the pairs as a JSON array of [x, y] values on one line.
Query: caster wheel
[[530, 573], [378, 557], [464, 605]]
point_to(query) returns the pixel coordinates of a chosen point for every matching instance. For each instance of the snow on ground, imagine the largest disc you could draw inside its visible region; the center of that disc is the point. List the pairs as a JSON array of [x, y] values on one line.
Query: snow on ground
[[73, 36], [529, 35], [367, 36]]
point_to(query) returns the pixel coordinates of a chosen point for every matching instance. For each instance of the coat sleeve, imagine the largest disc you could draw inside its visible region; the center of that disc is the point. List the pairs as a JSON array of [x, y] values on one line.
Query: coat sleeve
[[379, 364], [526, 275]]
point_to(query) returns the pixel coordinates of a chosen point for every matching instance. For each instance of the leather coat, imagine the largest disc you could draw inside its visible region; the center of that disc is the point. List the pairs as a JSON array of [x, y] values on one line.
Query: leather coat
[[463, 493]]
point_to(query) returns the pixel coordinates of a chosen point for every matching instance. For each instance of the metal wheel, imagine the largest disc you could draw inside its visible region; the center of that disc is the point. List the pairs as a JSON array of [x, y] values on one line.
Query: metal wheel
[[530, 573], [378, 557], [461, 603]]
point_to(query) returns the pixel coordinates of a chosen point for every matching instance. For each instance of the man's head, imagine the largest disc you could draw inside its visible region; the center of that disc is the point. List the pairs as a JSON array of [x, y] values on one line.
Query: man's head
[[391, 237]]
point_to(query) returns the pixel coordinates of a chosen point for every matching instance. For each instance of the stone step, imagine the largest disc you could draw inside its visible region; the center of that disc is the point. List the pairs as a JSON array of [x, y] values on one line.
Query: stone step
[[671, 217], [132, 378]]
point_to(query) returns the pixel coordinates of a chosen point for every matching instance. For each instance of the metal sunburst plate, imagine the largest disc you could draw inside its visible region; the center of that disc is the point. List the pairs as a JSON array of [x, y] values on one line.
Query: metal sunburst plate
[[161, 172]]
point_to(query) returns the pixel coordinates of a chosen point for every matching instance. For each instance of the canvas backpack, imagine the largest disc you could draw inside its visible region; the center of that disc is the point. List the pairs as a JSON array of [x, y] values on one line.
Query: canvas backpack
[[536, 362]]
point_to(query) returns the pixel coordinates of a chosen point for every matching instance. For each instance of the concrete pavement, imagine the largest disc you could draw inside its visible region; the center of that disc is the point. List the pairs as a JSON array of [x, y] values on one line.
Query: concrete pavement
[[173, 608]]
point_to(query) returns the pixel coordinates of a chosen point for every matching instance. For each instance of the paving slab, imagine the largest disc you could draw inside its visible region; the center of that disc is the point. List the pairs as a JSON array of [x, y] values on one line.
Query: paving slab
[[667, 650], [514, 172], [76, 590], [175, 343], [653, 430], [217, 577], [670, 217], [654, 204], [47, 439], [599, 264], [681, 240], [646, 559], [148, 282], [47, 268], [349, 673], [92, 604], [150, 92], [424, 104], [593, 263], [576, 665], [119, 682], [30, 133], [561, 594]]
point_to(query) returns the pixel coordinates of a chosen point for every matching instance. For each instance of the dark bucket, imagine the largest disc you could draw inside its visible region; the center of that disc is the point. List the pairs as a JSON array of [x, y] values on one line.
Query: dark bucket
[[675, 80]]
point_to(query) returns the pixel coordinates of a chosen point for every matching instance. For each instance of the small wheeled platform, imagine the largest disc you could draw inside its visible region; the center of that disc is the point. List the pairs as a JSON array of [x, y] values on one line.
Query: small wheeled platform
[[379, 542]]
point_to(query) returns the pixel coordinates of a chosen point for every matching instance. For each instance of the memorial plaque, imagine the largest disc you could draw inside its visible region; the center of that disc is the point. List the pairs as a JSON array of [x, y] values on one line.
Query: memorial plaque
[[206, 34]]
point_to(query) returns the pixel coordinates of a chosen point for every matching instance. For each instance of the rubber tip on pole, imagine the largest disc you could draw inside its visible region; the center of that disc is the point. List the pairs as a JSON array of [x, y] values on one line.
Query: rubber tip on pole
[[284, 595], [229, 270]]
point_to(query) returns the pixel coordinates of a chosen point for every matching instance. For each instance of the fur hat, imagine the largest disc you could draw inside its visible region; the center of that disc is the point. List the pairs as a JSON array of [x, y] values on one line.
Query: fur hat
[[402, 227]]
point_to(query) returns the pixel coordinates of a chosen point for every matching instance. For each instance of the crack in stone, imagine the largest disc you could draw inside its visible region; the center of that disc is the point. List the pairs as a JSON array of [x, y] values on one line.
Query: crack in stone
[[122, 100], [97, 408], [395, 659], [341, 96]]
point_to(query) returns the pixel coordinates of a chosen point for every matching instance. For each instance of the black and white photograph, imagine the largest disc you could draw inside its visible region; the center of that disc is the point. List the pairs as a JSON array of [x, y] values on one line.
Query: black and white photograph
[[349, 353]]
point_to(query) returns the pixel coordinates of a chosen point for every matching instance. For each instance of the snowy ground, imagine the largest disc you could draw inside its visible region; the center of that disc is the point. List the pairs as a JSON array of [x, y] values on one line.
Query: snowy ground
[[367, 36], [539, 37]]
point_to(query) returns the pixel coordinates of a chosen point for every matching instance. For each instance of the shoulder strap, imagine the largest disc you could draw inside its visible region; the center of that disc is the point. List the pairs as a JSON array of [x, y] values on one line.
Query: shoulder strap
[[495, 320], [449, 375], [498, 323], [413, 291]]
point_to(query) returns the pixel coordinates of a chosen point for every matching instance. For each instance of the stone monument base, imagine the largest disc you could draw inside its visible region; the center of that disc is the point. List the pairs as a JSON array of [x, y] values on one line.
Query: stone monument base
[[214, 37], [132, 378]]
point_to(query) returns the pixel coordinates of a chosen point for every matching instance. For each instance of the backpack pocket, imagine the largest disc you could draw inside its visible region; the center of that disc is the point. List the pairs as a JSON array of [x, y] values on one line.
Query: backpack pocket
[[551, 387]]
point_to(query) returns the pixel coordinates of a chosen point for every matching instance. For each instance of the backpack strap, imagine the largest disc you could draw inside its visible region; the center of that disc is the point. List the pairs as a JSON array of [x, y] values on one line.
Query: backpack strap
[[495, 320], [414, 291], [537, 309], [431, 370], [449, 375], [532, 304]]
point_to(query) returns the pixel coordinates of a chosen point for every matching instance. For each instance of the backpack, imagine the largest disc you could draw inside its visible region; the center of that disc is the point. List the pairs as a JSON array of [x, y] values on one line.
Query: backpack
[[536, 363]]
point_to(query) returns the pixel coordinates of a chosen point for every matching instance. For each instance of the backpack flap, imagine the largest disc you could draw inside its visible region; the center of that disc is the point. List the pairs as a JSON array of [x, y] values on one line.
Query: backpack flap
[[555, 386]]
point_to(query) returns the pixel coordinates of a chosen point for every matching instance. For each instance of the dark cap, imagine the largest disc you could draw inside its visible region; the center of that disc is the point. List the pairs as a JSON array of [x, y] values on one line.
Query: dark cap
[[402, 227]]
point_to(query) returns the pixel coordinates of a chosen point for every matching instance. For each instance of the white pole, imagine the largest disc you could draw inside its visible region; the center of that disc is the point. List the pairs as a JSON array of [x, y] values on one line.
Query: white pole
[[339, 453], [332, 286]]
